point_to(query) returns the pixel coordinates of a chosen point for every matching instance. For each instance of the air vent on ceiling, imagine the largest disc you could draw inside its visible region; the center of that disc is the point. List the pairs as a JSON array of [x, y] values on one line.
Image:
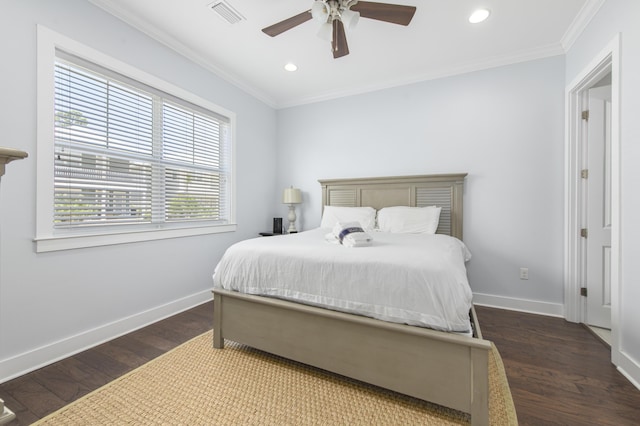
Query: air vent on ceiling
[[226, 12]]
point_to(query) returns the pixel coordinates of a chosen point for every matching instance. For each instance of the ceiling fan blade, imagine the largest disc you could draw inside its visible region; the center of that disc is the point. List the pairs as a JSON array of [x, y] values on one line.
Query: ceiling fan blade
[[394, 13], [287, 24], [339, 44]]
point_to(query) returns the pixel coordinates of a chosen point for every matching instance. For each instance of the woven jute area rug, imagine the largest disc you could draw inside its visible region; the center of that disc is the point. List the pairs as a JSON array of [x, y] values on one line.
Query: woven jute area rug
[[195, 384]]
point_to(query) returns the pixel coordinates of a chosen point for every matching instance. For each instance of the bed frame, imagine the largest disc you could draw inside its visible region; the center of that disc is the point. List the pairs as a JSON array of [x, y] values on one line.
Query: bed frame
[[444, 368]]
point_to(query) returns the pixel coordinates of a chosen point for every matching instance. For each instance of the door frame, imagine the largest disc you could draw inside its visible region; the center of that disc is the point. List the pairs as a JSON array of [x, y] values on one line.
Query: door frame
[[608, 60]]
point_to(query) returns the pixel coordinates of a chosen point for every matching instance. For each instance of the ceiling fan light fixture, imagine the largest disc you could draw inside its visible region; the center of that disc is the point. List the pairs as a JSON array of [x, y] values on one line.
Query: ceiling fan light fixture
[[350, 19], [325, 31], [479, 15], [320, 12]]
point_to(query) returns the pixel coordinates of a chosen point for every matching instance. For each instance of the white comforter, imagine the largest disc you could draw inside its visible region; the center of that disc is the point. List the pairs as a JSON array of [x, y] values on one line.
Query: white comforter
[[416, 279]]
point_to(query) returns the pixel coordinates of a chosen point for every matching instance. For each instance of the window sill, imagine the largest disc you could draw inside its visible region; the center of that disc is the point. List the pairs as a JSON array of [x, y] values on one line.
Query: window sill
[[70, 242]]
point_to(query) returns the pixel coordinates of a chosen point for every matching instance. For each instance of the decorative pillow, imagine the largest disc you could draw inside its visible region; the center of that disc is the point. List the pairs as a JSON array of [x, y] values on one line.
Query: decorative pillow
[[409, 220], [366, 216]]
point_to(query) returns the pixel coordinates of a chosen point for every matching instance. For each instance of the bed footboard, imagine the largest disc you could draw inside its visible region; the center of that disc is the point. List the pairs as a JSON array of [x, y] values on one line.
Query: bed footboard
[[443, 368]]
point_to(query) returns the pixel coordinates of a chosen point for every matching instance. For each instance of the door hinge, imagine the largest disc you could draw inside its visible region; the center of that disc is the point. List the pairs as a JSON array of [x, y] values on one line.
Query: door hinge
[[584, 233], [583, 291], [585, 115], [584, 173]]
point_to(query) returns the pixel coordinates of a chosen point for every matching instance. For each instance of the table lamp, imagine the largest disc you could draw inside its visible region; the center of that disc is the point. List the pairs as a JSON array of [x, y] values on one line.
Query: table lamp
[[292, 196]]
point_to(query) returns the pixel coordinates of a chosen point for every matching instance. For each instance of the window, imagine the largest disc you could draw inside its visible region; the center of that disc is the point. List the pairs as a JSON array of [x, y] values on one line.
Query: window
[[128, 156]]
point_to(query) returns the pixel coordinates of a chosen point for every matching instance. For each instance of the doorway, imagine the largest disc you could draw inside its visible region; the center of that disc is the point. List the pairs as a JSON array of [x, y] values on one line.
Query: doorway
[[592, 200], [597, 208]]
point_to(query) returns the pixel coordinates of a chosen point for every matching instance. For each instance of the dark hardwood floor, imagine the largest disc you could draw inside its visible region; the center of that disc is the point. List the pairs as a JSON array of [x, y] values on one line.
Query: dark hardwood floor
[[559, 373], [43, 391]]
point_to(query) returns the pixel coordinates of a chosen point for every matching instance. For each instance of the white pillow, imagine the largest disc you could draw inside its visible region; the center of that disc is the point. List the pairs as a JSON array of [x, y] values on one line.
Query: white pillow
[[366, 216], [409, 220]]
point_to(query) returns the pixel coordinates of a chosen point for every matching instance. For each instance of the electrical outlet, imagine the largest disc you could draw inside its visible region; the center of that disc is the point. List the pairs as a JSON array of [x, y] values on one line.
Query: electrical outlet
[[524, 273]]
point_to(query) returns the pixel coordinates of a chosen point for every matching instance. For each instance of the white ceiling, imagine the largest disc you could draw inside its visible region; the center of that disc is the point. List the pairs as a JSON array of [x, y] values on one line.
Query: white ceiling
[[439, 42]]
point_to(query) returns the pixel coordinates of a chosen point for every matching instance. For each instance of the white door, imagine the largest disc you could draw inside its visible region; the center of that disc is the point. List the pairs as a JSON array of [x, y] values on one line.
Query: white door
[[599, 208]]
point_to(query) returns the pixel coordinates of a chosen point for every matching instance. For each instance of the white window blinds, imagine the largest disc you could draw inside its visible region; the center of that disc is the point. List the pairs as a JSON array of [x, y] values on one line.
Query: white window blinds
[[129, 154]]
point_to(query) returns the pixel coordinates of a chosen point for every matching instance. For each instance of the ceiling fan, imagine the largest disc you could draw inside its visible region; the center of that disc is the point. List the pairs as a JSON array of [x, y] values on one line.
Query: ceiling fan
[[334, 15]]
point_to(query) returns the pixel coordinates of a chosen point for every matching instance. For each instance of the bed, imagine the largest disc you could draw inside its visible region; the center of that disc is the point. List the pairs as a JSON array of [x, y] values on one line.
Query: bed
[[446, 368]]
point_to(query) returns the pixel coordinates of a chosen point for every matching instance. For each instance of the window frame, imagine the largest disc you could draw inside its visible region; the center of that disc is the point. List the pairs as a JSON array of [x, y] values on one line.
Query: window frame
[[49, 239]]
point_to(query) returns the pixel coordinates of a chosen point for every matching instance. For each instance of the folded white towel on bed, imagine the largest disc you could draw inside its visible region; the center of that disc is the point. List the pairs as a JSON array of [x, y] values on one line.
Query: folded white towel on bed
[[351, 234], [357, 239], [330, 238]]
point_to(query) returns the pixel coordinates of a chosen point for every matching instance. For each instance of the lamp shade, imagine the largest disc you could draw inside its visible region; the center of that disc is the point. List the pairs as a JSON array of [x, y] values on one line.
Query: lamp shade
[[350, 18], [325, 32], [320, 12], [292, 196]]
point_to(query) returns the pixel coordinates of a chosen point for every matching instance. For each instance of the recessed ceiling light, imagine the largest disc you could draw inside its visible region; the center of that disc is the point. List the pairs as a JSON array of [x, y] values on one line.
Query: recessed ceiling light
[[291, 67], [479, 16]]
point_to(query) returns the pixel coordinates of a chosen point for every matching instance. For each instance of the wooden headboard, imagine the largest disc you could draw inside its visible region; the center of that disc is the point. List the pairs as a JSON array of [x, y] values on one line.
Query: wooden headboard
[[415, 191]]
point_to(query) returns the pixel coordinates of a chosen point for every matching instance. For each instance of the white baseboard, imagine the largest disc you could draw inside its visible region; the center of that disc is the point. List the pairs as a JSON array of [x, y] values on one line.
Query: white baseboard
[[521, 305], [16, 366], [45, 355], [6, 415], [629, 369]]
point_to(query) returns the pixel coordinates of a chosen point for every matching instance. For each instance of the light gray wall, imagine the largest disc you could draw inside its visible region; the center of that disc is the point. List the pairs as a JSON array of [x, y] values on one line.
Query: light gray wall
[[503, 126], [56, 302], [622, 16]]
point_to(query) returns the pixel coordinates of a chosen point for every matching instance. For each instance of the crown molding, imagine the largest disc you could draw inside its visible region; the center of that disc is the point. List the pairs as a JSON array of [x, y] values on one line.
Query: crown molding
[[494, 62], [182, 49], [582, 19]]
